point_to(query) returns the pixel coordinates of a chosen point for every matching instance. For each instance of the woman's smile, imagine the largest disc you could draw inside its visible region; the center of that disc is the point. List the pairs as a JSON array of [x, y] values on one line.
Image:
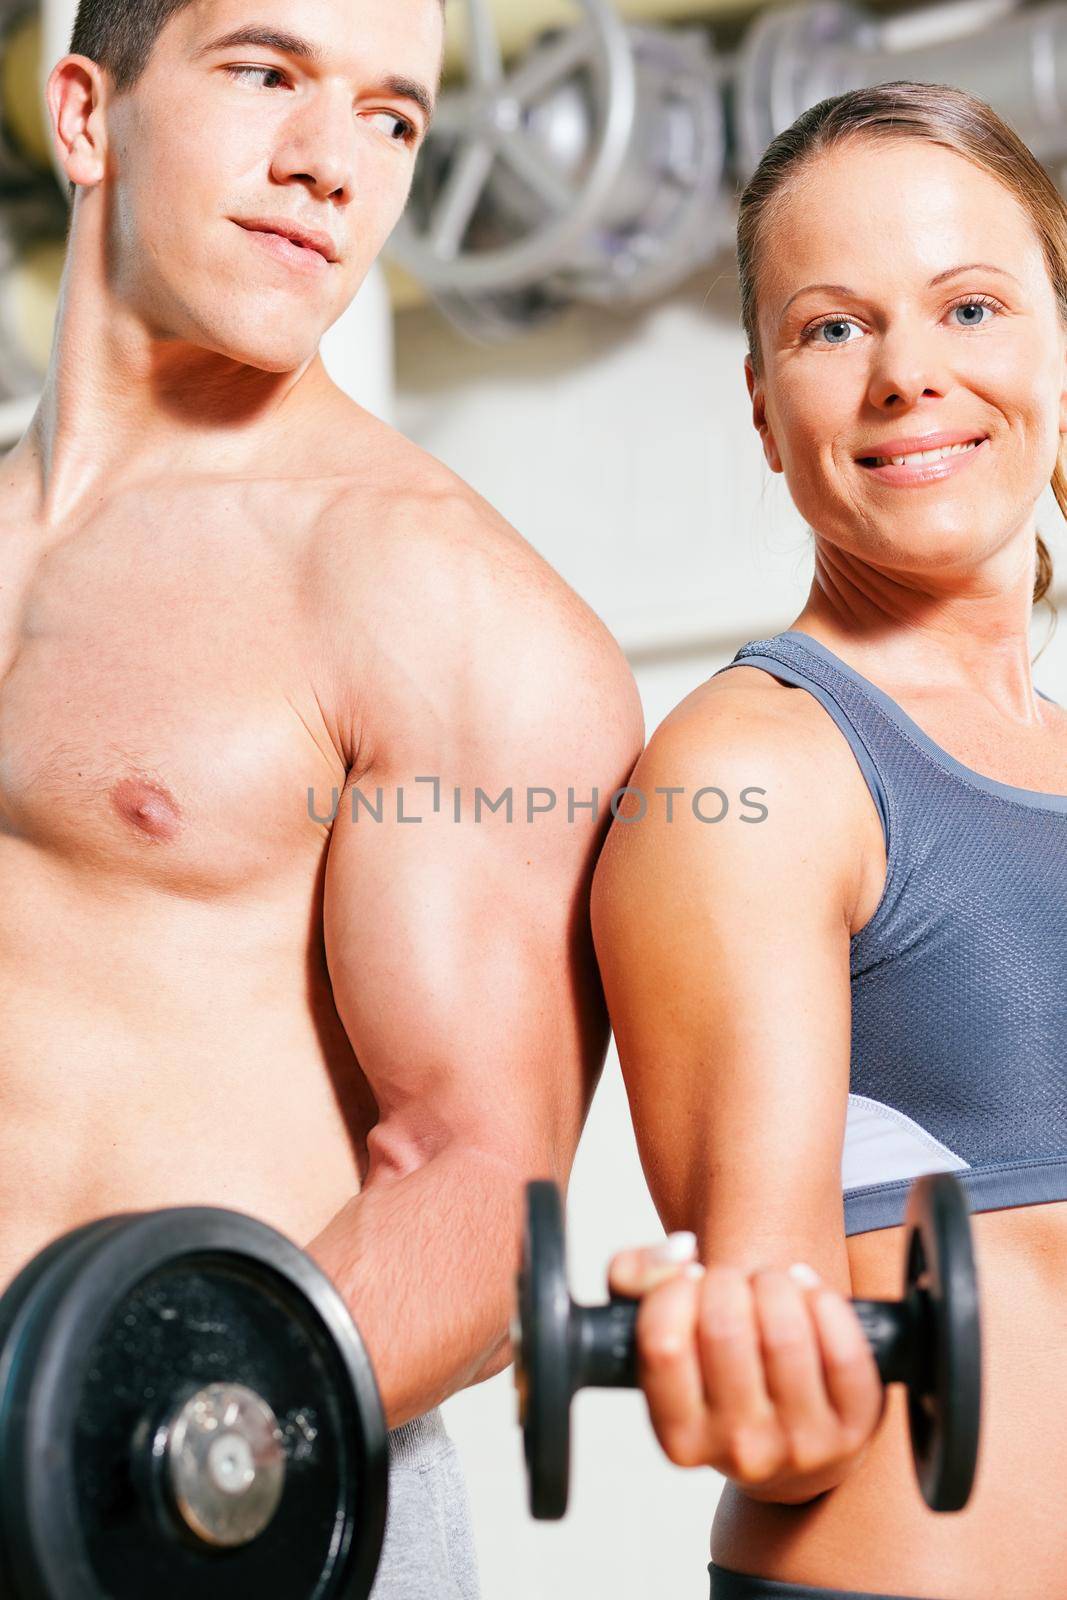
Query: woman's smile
[[933, 469]]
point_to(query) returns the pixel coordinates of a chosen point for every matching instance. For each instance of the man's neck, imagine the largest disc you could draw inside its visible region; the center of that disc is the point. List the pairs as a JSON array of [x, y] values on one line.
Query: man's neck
[[79, 448]]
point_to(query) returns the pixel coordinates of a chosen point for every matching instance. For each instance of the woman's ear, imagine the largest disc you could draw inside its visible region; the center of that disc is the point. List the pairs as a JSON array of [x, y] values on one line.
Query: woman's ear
[[759, 417]]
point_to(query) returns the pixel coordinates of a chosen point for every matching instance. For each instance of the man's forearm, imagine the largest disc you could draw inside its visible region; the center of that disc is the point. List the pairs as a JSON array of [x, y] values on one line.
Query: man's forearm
[[426, 1263]]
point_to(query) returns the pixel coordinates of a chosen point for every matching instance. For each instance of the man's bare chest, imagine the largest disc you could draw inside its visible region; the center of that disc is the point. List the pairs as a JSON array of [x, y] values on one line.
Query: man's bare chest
[[162, 712]]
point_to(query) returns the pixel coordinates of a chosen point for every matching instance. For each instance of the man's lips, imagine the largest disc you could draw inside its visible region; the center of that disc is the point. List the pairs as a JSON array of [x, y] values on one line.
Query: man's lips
[[295, 256], [295, 232]]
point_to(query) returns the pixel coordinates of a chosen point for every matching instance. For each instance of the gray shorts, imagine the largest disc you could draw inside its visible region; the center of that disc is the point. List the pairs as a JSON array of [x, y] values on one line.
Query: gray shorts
[[729, 1585], [429, 1543]]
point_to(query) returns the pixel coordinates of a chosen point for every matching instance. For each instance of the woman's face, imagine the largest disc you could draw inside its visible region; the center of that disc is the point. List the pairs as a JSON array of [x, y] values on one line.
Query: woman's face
[[888, 353]]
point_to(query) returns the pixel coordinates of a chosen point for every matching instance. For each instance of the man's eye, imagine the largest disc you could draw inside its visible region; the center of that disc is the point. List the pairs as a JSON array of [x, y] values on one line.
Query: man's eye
[[400, 128], [268, 72]]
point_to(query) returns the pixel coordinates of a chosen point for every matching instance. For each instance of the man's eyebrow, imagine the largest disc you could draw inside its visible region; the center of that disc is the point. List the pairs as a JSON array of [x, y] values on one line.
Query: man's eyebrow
[[408, 89], [261, 37], [257, 36], [940, 277]]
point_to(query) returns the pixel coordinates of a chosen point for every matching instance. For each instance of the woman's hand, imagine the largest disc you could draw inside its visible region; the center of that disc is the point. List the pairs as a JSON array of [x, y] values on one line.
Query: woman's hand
[[766, 1376]]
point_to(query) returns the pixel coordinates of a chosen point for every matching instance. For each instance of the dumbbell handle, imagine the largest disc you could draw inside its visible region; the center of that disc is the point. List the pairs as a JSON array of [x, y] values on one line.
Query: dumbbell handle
[[606, 1336], [606, 1340]]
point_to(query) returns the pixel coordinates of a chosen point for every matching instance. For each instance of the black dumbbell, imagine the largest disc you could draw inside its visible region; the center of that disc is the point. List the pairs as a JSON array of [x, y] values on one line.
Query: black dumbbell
[[928, 1340], [186, 1408]]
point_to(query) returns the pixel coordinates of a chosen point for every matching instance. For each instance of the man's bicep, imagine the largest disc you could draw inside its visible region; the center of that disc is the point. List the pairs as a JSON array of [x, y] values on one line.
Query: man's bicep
[[432, 952], [463, 972], [459, 944]]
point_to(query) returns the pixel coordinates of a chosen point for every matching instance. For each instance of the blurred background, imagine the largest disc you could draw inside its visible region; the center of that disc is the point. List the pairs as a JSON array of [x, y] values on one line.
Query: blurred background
[[558, 321]]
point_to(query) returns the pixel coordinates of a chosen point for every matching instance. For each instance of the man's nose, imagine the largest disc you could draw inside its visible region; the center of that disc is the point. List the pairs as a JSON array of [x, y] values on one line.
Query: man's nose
[[319, 146]]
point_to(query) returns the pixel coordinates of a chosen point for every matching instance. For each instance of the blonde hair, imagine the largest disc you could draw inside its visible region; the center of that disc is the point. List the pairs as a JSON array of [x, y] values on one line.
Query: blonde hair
[[945, 116]]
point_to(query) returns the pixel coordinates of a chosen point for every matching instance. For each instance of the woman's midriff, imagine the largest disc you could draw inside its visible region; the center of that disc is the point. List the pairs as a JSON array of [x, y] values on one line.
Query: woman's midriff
[[874, 1531]]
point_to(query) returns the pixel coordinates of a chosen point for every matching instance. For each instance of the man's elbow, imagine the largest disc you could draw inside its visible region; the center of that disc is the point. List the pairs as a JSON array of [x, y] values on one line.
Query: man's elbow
[[498, 1361], [396, 1152]]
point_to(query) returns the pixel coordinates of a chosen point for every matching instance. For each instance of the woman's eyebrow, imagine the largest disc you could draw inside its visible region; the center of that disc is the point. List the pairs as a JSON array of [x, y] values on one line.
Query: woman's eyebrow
[[262, 37], [940, 277]]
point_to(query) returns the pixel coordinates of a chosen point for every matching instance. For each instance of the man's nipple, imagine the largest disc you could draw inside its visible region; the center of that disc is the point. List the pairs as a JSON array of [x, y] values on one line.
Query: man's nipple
[[148, 807]]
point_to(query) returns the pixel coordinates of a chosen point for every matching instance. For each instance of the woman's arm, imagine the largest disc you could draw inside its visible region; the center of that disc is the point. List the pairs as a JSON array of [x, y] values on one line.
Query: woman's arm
[[724, 952]]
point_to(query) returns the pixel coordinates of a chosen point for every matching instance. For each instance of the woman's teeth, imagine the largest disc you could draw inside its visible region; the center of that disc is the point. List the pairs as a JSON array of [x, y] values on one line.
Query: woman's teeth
[[924, 455]]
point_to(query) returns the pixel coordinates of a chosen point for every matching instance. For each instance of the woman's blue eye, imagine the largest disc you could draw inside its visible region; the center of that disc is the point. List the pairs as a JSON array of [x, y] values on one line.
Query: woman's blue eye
[[846, 322], [969, 305], [835, 323]]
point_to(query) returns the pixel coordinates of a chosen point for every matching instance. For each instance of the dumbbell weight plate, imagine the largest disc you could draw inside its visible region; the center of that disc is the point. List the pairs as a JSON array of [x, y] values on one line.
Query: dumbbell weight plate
[[109, 1339], [544, 1365], [11, 1350], [22, 1285], [945, 1419]]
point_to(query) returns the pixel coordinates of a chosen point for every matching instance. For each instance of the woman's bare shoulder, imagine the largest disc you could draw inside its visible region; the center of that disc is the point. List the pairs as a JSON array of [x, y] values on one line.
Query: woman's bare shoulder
[[748, 708], [745, 731]]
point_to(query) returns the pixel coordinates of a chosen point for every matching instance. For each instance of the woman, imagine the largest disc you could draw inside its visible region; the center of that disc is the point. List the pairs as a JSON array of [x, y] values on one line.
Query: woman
[[859, 973]]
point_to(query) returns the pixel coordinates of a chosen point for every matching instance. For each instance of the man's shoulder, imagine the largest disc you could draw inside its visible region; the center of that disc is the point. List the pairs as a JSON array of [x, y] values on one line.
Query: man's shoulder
[[431, 548], [445, 590]]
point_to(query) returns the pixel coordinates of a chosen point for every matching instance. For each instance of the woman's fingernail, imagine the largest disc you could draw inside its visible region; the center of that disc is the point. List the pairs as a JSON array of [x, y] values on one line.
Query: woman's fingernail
[[805, 1275], [695, 1269], [676, 1247]]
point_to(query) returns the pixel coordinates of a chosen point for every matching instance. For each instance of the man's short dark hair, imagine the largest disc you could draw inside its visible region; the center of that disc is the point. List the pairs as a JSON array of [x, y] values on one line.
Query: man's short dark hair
[[119, 35]]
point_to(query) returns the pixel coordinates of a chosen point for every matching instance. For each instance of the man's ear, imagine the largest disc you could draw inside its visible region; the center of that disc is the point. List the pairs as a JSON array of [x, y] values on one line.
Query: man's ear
[[76, 94], [759, 417]]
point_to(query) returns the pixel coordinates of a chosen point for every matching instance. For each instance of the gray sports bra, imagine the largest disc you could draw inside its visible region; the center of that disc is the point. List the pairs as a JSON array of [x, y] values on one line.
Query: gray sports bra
[[959, 980]]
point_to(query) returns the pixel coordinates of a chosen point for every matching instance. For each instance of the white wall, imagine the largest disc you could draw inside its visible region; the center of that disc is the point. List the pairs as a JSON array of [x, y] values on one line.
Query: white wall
[[623, 449]]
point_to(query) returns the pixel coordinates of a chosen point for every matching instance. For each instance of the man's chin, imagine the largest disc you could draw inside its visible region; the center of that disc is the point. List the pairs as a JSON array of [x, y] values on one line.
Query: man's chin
[[277, 363], [276, 355]]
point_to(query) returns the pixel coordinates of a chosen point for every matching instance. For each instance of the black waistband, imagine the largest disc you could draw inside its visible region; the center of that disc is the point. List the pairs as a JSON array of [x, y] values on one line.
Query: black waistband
[[728, 1585]]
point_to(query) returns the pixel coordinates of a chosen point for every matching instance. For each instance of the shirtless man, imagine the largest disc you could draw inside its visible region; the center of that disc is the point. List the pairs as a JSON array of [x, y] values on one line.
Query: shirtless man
[[227, 591]]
